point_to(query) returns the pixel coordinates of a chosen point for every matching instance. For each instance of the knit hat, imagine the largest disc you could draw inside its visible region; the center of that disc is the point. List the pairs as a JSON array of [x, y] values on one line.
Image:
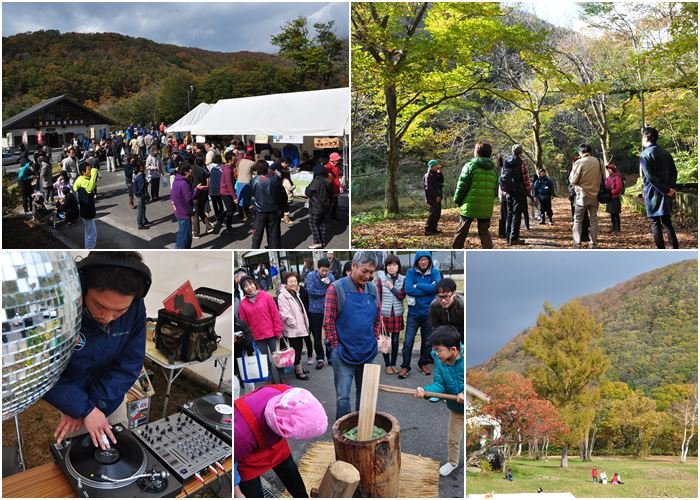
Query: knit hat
[[432, 163], [335, 157], [244, 280], [517, 149], [296, 414]]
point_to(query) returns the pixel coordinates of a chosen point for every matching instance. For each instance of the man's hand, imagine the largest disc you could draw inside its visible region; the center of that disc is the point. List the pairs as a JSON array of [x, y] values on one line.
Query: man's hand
[[460, 398], [420, 393], [671, 192], [67, 425], [99, 429]]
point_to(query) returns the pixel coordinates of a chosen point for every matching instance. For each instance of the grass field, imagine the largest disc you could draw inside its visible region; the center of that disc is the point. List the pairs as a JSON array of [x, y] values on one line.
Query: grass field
[[659, 477]]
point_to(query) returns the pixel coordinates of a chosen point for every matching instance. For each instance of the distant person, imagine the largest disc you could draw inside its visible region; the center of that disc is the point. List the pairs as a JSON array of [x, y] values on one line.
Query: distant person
[[603, 477], [85, 186], [433, 180], [25, 178], [335, 267], [615, 184], [544, 190], [515, 183], [316, 284], [46, 177], [154, 169], [334, 175], [181, 199], [70, 165], [448, 353], [140, 192], [616, 479], [594, 474], [509, 475], [659, 176], [477, 186], [320, 195], [586, 176], [268, 195]]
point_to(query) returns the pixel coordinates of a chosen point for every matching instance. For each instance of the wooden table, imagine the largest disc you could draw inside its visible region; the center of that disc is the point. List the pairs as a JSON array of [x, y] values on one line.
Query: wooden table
[[48, 481], [172, 371]]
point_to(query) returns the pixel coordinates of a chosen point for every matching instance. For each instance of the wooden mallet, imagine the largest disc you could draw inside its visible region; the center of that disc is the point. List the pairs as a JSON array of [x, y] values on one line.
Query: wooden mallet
[[368, 402]]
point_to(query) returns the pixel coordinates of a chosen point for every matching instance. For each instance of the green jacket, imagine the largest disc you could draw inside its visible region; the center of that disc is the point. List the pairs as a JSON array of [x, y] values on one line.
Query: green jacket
[[476, 188]]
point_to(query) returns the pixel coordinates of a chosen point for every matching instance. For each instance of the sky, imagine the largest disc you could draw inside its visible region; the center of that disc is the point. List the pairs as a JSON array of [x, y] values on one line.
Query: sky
[[223, 27], [506, 290], [562, 13]]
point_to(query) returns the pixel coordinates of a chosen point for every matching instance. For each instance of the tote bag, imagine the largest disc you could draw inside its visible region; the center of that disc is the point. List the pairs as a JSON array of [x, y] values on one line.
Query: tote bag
[[283, 358], [253, 368]]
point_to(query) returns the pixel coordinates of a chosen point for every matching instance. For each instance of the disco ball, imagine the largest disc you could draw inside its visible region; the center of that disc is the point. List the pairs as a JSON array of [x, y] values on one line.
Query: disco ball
[[41, 312]]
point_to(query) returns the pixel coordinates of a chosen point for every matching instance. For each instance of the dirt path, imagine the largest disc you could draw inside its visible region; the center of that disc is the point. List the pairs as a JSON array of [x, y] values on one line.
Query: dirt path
[[408, 232]]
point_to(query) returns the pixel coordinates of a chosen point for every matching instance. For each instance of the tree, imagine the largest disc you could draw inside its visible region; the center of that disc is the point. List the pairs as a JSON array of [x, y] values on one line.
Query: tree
[[637, 416], [413, 57], [523, 416], [172, 97], [317, 59], [683, 409], [568, 365]]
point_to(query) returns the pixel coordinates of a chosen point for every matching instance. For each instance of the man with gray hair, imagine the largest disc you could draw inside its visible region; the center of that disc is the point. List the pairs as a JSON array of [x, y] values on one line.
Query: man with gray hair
[[586, 176], [351, 323]]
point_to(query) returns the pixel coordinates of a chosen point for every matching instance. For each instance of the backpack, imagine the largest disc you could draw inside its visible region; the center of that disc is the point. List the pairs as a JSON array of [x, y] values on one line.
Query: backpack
[[340, 292], [510, 179]]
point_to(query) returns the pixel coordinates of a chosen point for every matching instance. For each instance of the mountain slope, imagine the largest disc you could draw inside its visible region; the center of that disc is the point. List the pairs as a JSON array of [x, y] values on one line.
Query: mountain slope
[[649, 329]]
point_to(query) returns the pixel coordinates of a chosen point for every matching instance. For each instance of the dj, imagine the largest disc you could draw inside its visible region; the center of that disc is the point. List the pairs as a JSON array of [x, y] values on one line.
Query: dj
[[110, 348]]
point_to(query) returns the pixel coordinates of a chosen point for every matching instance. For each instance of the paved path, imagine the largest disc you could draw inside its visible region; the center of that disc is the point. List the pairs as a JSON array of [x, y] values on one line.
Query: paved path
[[116, 224]]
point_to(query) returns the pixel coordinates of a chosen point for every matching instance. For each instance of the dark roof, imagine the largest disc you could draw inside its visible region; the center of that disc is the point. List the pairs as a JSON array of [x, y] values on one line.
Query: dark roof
[[45, 104]]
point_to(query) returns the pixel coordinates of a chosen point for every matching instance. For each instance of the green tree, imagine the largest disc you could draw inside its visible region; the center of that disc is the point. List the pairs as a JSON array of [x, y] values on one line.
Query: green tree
[[411, 58], [172, 101], [637, 416], [317, 59], [568, 365]]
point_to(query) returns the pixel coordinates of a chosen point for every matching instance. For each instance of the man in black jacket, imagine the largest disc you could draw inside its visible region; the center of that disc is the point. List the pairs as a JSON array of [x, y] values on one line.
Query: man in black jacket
[[514, 186], [268, 194], [320, 196]]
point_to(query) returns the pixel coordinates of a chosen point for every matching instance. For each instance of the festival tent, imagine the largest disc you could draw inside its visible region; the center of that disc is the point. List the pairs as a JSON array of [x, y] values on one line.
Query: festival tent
[[317, 113], [186, 123]]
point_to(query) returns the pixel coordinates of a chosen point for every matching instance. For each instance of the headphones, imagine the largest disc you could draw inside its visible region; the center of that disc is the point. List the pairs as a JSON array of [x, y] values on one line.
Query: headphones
[[115, 259]]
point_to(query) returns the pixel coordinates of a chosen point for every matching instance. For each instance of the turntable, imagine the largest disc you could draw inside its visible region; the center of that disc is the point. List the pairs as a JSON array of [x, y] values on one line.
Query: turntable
[[213, 411], [127, 469]]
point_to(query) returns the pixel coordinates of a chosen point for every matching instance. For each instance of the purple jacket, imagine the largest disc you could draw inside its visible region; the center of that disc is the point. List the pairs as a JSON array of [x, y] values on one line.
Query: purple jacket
[[244, 442], [181, 196]]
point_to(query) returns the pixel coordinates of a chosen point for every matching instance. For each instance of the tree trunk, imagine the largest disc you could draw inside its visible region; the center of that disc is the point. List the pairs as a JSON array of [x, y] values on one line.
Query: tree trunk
[[564, 457], [536, 130], [391, 189]]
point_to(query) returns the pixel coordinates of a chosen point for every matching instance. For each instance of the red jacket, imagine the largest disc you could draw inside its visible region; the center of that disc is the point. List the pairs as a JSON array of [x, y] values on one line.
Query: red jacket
[[334, 177], [614, 183], [262, 317]]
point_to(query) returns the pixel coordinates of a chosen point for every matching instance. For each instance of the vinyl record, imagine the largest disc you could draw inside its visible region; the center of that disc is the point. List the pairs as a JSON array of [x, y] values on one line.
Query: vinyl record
[[119, 461], [214, 409]]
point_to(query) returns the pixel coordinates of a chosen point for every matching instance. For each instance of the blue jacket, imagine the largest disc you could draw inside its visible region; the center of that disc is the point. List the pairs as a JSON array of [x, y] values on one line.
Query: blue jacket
[[317, 291], [215, 173], [659, 174], [449, 379], [105, 364], [421, 286]]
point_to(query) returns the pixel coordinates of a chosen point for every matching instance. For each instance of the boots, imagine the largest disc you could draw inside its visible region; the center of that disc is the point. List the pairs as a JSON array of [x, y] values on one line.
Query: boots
[[131, 201]]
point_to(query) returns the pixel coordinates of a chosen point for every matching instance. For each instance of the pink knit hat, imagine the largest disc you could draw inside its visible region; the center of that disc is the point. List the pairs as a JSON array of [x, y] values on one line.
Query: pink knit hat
[[335, 157], [296, 414]]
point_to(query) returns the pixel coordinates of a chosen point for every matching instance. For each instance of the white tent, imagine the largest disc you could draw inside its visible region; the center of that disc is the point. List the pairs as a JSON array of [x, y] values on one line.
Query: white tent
[[314, 113], [186, 123]]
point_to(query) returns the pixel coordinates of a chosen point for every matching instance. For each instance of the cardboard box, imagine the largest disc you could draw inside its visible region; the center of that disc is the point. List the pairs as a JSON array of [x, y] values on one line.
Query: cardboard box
[[138, 400]]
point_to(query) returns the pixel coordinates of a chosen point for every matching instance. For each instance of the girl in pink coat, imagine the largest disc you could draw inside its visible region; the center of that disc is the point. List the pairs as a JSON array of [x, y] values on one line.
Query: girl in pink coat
[[259, 311]]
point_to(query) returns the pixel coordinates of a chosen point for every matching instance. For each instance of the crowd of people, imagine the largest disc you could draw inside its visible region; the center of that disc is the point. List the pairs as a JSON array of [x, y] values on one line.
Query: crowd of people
[[340, 313], [591, 184], [210, 185], [601, 477]]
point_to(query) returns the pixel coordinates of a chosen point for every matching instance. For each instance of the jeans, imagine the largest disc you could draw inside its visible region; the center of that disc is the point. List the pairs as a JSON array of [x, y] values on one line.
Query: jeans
[[288, 472], [390, 358], [140, 211], [270, 222], [589, 206], [316, 327], [412, 325], [183, 239], [90, 233], [465, 223], [657, 223], [515, 205], [343, 375]]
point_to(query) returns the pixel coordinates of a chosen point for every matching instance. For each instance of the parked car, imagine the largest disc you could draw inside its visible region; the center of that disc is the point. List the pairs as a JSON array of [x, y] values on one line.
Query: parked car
[[10, 159]]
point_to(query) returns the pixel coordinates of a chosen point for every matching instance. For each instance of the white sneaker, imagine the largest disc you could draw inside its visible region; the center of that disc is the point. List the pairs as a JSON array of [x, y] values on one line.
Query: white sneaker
[[447, 469]]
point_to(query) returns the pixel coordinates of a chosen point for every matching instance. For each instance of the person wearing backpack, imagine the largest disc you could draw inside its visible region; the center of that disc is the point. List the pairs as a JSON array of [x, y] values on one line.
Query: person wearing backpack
[[476, 189], [352, 314], [85, 186], [586, 176], [433, 181], [544, 190], [615, 183], [25, 177], [320, 196], [516, 186]]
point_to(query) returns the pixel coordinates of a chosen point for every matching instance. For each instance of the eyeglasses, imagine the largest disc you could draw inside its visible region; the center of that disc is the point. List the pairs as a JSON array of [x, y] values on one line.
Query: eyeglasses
[[444, 297]]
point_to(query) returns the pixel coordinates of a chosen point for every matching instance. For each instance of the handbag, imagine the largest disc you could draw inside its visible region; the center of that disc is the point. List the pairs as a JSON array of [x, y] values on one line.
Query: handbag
[[604, 192], [384, 340], [253, 368], [164, 181], [283, 358]]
